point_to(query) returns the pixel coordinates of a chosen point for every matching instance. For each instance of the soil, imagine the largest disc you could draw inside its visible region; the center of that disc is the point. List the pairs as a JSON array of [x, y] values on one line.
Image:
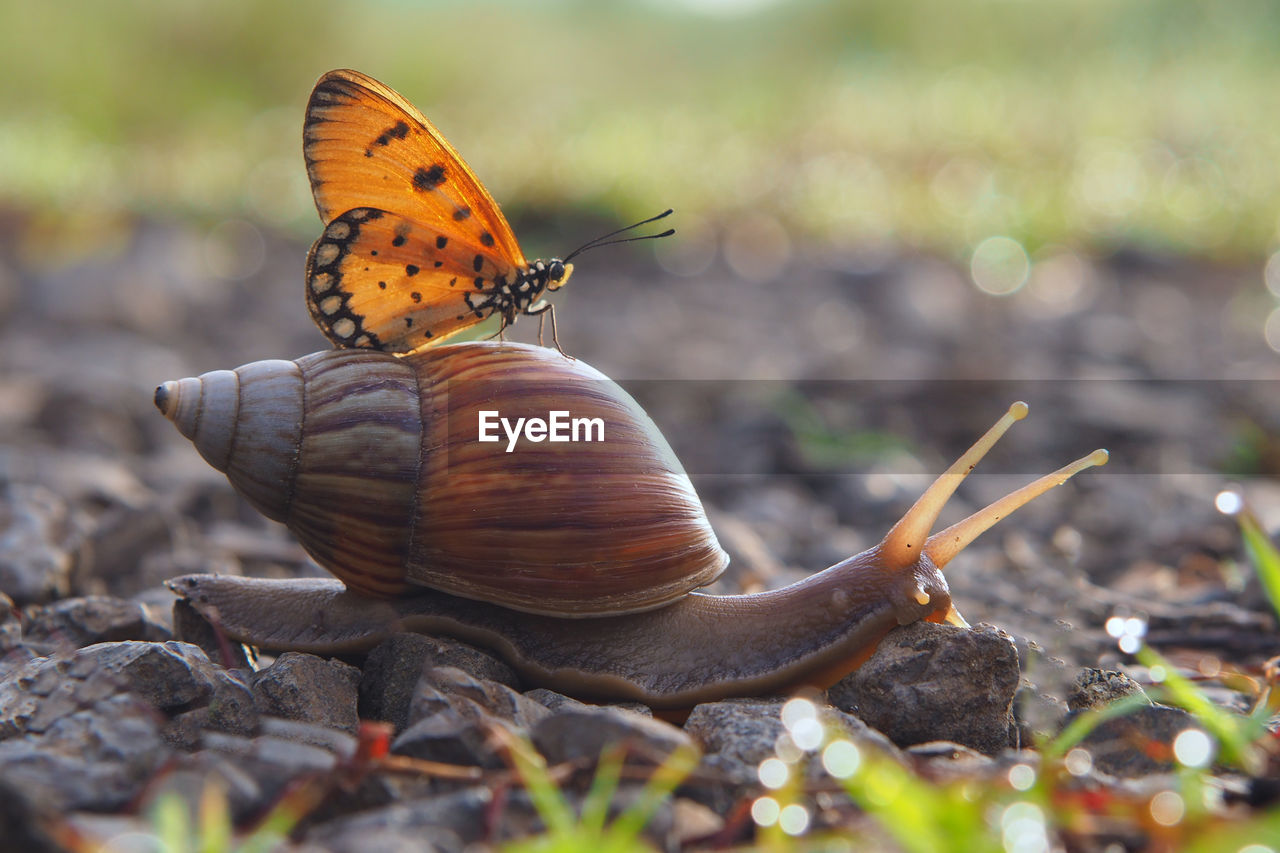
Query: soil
[[810, 407]]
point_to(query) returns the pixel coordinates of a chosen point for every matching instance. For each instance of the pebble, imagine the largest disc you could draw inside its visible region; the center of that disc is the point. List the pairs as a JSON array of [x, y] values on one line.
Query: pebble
[[73, 623], [39, 539], [300, 686], [928, 682]]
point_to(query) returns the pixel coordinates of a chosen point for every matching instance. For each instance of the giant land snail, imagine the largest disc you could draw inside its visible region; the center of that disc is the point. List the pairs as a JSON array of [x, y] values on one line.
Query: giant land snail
[[577, 563]]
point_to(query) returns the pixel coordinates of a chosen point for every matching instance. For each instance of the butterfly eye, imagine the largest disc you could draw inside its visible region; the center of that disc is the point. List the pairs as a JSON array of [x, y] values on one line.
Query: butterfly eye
[[555, 275]]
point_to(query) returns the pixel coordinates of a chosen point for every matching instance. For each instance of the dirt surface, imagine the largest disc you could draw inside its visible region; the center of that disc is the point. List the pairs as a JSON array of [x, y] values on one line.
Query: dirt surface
[[810, 409]]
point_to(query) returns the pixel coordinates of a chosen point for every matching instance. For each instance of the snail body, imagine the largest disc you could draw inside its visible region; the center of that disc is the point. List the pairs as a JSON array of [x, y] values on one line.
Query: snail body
[[575, 562]]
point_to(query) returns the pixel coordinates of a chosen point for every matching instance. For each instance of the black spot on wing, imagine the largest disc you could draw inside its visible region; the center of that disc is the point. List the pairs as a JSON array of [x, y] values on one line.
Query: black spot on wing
[[429, 179], [462, 213], [399, 130]]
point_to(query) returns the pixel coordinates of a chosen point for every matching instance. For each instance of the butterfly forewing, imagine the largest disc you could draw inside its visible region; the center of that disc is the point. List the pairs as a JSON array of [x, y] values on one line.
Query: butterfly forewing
[[367, 147], [382, 280]]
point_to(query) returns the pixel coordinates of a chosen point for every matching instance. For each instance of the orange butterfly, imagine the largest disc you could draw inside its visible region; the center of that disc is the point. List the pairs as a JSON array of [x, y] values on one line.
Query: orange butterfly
[[414, 248]]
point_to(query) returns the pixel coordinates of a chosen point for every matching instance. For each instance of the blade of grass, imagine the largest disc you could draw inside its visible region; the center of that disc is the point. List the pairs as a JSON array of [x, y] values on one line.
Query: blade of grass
[[595, 806], [1080, 726], [215, 819], [1263, 555], [549, 802], [665, 779], [1232, 733]]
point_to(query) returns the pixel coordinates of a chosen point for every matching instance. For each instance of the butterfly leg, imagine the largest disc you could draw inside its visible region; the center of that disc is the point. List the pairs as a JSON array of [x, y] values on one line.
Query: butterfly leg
[[549, 310]]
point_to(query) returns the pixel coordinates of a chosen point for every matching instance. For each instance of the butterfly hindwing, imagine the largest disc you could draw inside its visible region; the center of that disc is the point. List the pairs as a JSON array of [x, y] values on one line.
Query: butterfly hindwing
[[367, 147], [379, 279]]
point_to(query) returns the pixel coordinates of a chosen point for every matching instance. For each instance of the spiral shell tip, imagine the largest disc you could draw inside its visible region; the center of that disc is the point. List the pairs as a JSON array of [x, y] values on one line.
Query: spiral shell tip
[[163, 394]]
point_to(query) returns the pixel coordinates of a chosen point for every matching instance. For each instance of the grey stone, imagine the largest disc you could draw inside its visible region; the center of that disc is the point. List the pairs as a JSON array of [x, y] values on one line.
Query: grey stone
[[10, 625], [746, 731], [26, 821], [1111, 744], [555, 701], [454, 736], [929, 682], [306, 687], [393, 669], [74, 623], [495, 698], [583, 733], [190, 776], [98, 757], [39, 539], [168, 677], [1094, 688]]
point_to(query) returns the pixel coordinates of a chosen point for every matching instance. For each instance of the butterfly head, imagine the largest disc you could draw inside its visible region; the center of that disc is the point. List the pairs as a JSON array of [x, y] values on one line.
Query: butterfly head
[[558, 273]]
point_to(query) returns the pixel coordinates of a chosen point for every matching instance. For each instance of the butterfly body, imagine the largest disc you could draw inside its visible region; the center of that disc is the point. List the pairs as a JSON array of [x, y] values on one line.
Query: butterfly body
[[414, 248]]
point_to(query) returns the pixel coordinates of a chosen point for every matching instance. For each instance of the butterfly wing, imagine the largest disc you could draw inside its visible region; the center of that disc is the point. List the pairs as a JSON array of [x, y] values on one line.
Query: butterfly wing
[[366, 147], [415, 284]]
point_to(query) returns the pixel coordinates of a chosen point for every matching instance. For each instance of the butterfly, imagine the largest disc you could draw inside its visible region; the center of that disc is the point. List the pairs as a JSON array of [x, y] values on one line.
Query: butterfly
[[414, 248]]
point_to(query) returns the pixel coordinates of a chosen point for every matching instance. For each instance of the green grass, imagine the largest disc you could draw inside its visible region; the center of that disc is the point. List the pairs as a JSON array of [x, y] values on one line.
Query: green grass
[[924, 123]]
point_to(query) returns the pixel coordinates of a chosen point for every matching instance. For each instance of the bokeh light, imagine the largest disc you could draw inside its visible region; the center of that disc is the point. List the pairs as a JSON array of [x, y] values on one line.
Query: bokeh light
[[1193, 748], [1229, 502], [765, 811], [794, 819], [841, 758], [1022, 777], [1022, 828], [1128, 632], [1167, 808], [999, 266], [1078, 761], [773, 773]]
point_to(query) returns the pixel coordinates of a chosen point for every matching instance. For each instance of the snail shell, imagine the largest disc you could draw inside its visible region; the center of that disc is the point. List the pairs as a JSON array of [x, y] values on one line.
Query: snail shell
[[373, 462]]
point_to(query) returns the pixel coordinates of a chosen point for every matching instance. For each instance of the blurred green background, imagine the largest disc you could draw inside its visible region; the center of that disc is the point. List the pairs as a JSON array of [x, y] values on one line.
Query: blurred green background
[[931, 124]]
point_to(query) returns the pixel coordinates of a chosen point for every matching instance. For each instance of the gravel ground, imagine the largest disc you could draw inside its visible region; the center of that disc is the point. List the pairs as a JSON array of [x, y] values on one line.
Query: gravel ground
[[810, 406]]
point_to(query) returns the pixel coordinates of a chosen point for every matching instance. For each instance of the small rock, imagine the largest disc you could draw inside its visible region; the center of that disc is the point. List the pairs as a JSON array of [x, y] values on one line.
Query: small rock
[[444, 823], [25, 821], [274, 763], [555, 701], [740, 733], [1094, 688], [943, 760], [574, 733], [306, 687], [10, 625], [190, 776], [231, 709], [692, 820], [929, 682], [497, 699], [39, 539], [393, 669], [74, 623], [453, 736], [97, 758], [1139, 743], [467, 819], [169, 677]]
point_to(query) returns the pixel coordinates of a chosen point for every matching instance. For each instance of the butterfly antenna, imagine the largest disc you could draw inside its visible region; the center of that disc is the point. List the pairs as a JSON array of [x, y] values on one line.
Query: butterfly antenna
[[605, 241]]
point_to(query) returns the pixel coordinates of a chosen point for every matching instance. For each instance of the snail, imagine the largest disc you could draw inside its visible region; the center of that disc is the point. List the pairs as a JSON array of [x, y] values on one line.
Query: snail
[[576, 562]]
